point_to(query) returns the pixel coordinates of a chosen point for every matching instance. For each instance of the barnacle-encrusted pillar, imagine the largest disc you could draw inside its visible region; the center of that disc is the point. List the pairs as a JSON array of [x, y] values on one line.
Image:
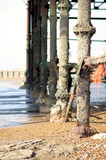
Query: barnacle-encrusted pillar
[[58, 111], [53, 49], [84, 31], [38, 55], [27, 47], [38, 36], [34, 26], [37, 49], [43, 71]]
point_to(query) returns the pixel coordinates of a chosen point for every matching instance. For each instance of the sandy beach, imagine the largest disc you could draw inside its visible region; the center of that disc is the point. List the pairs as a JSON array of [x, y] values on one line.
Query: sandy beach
[[60, 134], [56, 135]]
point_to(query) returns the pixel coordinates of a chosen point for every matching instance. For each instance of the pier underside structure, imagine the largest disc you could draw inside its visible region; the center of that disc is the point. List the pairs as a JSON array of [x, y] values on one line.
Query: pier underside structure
[[41, 73]]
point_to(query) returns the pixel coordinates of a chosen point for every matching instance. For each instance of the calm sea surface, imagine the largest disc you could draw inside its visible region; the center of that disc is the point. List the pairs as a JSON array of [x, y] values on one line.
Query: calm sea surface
[[17, 108]]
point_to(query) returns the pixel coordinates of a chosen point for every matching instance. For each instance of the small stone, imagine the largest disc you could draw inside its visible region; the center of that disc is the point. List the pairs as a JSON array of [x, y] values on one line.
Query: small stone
[[87, 155], [99, 136]]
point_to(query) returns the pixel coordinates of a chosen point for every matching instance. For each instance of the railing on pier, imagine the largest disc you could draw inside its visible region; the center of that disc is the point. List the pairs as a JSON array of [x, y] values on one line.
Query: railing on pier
[[12, 74]]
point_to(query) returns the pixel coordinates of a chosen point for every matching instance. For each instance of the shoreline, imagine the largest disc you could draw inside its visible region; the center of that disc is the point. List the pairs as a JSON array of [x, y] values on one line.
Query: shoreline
[[48, 140], [42, 139], [39, 126]]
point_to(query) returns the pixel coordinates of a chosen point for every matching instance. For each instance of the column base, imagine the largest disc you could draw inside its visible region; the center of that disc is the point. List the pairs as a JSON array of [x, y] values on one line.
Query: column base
[[45, 101], [58, 112], [35, 93], [82, 131]]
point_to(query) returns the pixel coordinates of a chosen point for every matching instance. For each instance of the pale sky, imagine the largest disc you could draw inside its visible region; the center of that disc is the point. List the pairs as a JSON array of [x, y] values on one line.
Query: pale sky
[[13, 35]]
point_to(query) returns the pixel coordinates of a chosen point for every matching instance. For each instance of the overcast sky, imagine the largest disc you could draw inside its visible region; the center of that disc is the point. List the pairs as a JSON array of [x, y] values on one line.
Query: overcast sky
[[13, 35]]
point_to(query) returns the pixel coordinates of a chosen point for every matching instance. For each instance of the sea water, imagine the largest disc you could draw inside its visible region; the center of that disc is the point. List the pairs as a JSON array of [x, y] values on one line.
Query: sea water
[[16, 106]]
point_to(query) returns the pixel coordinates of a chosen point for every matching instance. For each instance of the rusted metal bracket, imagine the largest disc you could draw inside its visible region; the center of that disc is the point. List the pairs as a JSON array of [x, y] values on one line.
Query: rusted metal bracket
[[95, 60], [92, 61]]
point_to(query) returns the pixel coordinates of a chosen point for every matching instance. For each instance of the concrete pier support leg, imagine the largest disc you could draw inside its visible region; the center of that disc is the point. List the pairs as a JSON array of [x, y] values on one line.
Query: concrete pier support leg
[[28, 71], [84, 31], [27, 57], [53, 49], [43, 69], [58, 111], [37, 51], [34, 26], [38, 55]]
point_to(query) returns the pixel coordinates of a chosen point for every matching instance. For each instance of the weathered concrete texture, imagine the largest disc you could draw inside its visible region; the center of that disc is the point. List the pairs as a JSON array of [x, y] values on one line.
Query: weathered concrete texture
[[83, 99], [84, 31], [45, 109], [30, 46], [36, 62], [53, 48], [84, 18], [35, 93], [45, 104], [34, 35], [43, 71], [61, 95]]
